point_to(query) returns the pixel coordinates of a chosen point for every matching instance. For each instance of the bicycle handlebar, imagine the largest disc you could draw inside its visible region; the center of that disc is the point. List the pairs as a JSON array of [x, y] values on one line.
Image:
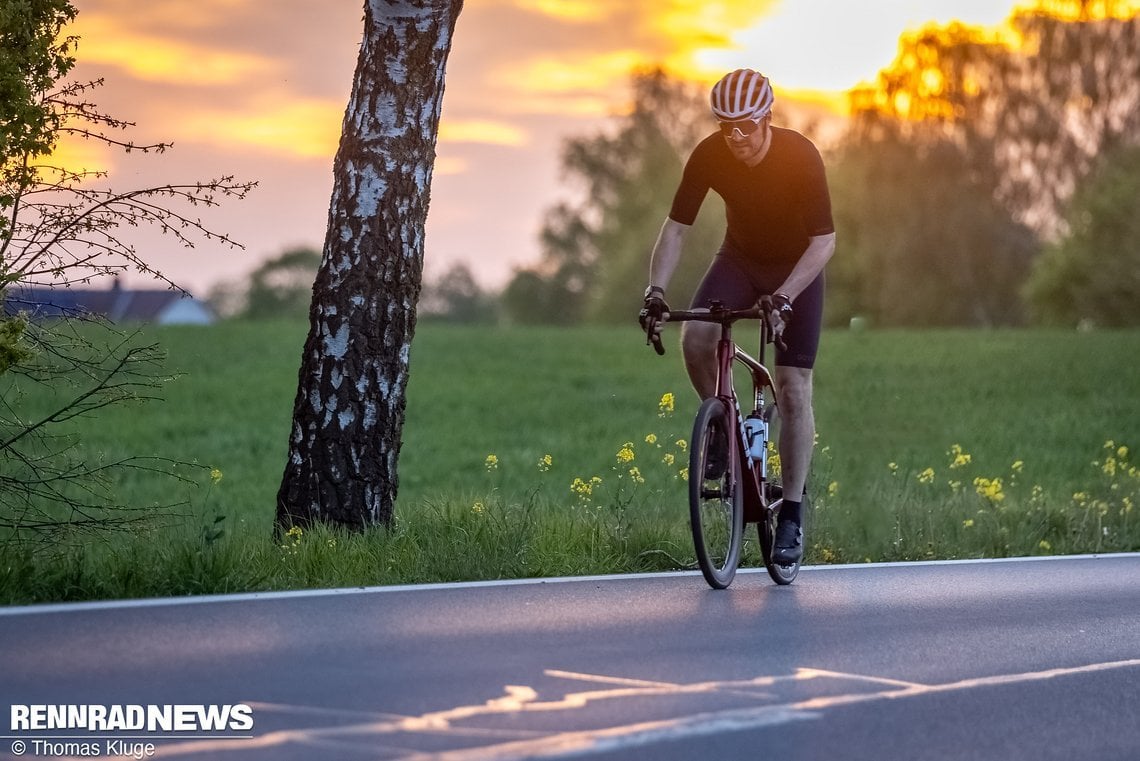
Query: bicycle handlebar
[[719, 314]]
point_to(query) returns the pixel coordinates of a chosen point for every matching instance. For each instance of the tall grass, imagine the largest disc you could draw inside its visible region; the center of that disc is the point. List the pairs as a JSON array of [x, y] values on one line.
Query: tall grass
[[536, 452]]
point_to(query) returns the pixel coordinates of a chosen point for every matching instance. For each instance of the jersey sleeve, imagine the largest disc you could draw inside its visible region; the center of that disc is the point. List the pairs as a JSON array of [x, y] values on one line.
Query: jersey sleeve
[[692, 190]]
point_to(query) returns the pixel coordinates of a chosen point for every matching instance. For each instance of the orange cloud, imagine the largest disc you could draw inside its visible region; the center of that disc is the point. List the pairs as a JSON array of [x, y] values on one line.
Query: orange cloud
[[310, 129], [301, 128], [77, 154], [157, 58], [565, 74], [481, 131], [585, 72], [693, 27], [569, 10]]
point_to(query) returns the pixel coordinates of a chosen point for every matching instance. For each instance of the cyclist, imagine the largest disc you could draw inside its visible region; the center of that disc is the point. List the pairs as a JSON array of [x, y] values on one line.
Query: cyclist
[[779, 235]]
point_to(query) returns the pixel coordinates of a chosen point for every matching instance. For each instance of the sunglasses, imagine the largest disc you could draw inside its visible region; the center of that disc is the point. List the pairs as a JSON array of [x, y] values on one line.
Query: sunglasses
[[742, 127]]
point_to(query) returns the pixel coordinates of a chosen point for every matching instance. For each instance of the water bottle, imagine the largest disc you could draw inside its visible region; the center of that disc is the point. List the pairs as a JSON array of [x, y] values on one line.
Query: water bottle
[[757, 431]]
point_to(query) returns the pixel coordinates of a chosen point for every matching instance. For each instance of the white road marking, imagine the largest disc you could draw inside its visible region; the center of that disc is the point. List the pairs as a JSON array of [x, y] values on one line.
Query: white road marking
[[524, 743], [157, 602]]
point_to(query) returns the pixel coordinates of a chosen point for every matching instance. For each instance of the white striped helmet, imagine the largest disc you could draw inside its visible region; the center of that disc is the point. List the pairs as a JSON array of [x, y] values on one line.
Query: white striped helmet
[[742, 94]]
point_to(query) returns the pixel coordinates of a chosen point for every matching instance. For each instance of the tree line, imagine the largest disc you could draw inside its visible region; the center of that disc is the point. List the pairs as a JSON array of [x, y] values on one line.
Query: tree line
[[984, 179]]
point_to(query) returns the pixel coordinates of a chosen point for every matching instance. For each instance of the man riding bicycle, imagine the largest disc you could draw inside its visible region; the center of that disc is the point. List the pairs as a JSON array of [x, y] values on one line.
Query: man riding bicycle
[[779, 236]]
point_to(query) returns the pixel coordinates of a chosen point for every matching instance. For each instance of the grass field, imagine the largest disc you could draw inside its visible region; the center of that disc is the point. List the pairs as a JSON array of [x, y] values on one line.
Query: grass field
[[932, 444]]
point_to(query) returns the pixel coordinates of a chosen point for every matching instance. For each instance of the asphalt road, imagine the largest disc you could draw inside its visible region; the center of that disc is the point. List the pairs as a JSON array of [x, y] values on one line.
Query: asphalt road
[[1031, 659]]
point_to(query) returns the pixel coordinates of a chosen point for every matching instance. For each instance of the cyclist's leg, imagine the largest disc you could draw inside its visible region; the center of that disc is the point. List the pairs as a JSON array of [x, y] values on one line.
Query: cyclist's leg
[[726, 282], [794, 388], [797, 428]]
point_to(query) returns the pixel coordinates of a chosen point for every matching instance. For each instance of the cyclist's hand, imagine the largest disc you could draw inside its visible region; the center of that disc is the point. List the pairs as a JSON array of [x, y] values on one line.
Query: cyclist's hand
[[779, 310], [652, 317]]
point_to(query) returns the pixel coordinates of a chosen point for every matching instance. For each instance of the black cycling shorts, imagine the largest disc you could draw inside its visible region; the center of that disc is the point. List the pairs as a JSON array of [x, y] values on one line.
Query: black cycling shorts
[[738, 285]]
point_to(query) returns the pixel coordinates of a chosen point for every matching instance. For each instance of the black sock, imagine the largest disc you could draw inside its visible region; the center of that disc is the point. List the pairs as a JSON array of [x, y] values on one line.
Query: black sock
[[792, 511]]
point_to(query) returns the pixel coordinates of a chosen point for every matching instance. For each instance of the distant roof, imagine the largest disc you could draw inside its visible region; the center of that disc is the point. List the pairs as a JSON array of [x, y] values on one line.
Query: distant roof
[[117, 304]]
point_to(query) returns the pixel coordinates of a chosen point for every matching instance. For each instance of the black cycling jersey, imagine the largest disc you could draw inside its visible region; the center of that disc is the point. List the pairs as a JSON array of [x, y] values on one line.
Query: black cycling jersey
[[772, 208]]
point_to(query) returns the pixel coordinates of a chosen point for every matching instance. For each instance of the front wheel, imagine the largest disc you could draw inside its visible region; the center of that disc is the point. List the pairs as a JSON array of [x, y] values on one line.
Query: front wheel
[[716, 507]]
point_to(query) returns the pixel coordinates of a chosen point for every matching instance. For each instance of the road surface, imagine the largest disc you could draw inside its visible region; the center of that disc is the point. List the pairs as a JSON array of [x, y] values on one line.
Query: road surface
[[1026, 659]]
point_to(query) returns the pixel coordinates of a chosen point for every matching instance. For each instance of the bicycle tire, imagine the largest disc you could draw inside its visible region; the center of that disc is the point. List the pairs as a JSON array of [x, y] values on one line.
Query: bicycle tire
[[781, 574], [716, 506]]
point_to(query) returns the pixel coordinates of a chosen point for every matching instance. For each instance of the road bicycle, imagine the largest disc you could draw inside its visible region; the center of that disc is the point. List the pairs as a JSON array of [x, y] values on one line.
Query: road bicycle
[[730, 485]]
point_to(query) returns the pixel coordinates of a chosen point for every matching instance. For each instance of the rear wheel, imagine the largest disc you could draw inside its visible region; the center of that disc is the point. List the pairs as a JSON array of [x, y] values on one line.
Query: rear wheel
[[716, 507], [781, 574]]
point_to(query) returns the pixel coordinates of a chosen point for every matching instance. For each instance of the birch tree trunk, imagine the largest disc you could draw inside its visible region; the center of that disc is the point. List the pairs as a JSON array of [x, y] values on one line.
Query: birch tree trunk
[[349, 411]]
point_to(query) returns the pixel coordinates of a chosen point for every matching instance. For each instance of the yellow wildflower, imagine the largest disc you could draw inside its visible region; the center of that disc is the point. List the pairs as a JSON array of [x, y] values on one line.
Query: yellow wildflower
[[926, 476], [635, 474], [665, 406], [668, 459], [990, 488], [492, 462], [215, 475], [584, 489], [958, 457], [293, 539], [545, 462], [651, 438], [625, 454]]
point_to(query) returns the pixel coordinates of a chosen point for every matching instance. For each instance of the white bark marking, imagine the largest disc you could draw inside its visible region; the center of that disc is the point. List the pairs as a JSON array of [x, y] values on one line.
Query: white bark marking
[[336, 346]]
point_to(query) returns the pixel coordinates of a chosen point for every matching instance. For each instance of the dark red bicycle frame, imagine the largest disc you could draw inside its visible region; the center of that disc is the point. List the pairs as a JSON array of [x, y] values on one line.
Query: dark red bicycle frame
[[755, 502]]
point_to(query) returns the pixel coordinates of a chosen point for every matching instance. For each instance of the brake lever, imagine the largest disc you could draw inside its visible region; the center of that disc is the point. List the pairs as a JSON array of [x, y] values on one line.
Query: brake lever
[[653, 337]]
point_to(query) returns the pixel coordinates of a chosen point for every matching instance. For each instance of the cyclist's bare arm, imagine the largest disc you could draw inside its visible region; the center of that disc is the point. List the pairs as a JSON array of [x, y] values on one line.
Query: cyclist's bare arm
[[818, 252], [666, 253]]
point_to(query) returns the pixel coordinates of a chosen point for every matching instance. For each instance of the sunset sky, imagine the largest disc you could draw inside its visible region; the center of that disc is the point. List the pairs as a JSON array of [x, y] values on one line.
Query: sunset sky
[[257, 88]]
